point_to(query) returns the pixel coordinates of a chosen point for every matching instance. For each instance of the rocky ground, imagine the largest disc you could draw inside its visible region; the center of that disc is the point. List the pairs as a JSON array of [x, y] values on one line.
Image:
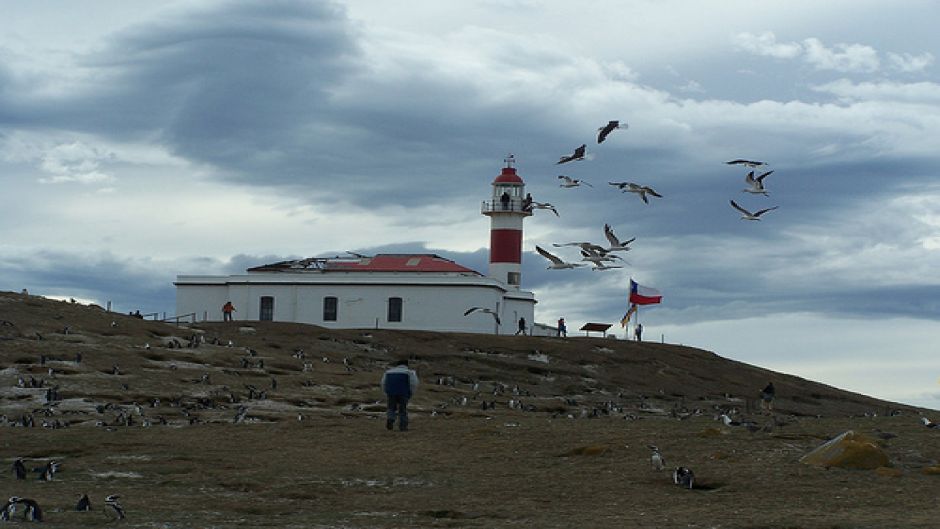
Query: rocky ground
[[282, 425]]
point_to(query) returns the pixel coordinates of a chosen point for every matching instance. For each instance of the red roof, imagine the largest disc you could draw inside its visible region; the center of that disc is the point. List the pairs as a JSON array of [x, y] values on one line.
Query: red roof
[[376, 263], [508, 176], [398, 263]]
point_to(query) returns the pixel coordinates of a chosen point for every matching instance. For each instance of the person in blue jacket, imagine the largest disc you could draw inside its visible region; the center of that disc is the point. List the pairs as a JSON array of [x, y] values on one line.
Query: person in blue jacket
[[399, 384]]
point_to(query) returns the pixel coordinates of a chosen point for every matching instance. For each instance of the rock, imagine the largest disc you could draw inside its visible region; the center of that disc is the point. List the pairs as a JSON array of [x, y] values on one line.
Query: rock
[[848, 450], [246, 330], [932, 471], [889, 472]]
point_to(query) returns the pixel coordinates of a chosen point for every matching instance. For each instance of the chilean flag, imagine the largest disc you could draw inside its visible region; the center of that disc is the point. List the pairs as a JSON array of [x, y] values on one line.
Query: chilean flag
[[644, 295]]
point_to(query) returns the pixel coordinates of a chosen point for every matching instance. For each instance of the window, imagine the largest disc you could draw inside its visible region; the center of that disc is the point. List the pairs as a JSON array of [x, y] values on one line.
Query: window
[[266, 311], [329, 308], [394, 309], [512, 278]]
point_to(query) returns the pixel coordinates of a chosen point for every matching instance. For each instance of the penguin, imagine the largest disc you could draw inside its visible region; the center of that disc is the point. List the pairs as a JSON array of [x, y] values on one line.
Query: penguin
[[31, 510], [656, 459], [114, 508], [6, 512], [48, 472], [84, 504], [19, 469], [684, 477]]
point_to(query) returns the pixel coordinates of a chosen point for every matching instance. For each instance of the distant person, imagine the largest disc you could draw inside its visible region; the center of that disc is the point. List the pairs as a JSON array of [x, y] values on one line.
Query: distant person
[[562, 329], [767, 396], [399, 384], [522, 328], [638, 332], [505, 199], [527, 202], [227, 311], [138, 315]]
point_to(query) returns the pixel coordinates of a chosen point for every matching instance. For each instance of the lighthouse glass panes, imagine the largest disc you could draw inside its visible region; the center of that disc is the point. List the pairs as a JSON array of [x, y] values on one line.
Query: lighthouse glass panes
[[329, 308], [512, 278], [266, 310]]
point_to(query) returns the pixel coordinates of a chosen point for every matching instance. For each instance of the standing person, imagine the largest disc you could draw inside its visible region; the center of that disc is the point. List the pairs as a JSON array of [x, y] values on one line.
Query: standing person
[[399, 384], [767, 396], [521, 326], [527, 202], [638, 332], [562, 330], [505, 198], [227, 311]]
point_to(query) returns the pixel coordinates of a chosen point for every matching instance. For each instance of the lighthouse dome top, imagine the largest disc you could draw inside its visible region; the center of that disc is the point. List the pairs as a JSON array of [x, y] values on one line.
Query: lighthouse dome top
[[508, 174]]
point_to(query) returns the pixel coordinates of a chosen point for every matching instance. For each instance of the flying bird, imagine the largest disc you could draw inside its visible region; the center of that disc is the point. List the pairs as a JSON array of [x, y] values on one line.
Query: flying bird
[[557, 264], [747, 215], [757, 184], [608, 128], [577, 155], [748, 163], [567, 181], [486, 310], [545, 205], [598, 256], [589, 246], [600, 265], [636, 188], [615, 244]]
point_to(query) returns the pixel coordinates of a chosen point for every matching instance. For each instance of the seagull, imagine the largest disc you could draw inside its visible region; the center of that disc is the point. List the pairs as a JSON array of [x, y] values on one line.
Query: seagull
[[598, 256], [545, 205], [588, 246], [483, 309], [636, 188], [747, 215], [928, 423], [608, 128], [683, 477], [599, 265], [749, 163], [577, 155], [615, 244], [116, 509], [757, 184], [656, 459], [572, 182], [557, 264]]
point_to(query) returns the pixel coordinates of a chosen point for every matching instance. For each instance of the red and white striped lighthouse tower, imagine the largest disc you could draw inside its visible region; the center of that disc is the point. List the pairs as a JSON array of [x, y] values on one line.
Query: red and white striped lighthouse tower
[[507, 208]]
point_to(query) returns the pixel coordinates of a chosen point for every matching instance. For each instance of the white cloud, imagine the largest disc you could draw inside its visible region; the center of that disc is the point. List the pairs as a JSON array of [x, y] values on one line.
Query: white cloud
[[909, 63], [841, 57], [921, 92], [75, 162], [766, 45]]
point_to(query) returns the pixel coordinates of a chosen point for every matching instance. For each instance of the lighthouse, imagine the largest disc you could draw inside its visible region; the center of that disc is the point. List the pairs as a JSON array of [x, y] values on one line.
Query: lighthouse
[[507, 208]]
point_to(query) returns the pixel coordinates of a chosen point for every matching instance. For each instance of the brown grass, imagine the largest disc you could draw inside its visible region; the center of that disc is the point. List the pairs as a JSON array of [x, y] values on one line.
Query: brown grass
[[459, 466]]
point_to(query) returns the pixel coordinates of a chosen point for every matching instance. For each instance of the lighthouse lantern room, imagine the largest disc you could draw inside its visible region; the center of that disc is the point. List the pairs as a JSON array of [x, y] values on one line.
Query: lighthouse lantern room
[[507, 208]]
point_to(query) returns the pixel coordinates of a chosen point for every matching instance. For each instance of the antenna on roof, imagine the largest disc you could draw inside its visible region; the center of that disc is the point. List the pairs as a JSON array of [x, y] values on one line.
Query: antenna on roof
[[510, 159]]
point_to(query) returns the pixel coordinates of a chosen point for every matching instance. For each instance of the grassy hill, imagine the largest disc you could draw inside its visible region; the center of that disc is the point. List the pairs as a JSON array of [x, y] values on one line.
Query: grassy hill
[[564, 446]]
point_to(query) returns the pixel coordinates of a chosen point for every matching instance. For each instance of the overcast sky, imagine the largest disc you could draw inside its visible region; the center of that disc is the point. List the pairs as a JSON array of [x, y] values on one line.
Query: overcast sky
[[141, 140]]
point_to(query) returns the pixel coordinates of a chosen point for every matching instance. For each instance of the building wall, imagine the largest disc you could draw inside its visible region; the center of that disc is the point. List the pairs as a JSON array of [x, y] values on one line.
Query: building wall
[[360, 304]]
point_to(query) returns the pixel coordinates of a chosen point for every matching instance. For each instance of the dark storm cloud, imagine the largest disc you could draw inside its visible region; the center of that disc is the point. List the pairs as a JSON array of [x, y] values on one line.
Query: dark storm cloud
[[128, 284]]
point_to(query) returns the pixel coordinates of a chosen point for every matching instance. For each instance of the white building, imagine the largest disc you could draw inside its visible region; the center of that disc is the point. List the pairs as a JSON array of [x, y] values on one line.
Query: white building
[[389, 291]]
